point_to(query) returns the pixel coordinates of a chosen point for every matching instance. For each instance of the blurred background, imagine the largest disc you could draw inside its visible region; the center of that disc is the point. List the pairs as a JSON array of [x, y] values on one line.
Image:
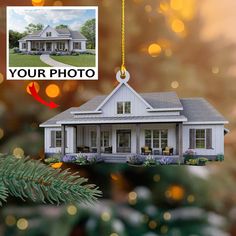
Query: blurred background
[[187, 46]]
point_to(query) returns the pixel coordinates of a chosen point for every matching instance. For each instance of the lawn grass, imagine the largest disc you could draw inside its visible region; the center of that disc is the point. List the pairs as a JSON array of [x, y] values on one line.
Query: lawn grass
[[19, 60], [83, 60]]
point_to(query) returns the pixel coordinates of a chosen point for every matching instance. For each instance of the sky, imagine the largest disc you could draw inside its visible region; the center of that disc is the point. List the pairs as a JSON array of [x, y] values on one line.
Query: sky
[[20, 17]]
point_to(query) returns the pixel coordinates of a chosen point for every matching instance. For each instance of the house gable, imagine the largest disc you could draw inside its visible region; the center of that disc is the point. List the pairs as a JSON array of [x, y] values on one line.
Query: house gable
[[123, 93], [49, 29]]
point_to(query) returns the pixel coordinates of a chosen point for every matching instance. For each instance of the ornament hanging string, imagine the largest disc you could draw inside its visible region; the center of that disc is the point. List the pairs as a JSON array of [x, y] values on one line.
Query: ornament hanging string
[[122, 68]]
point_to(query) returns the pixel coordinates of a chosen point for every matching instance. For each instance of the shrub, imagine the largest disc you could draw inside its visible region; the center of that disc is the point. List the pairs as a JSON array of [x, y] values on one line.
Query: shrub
[[189, 154], [220, 157], [16, 50], [56, 157], [192, 162], [150, 161], [53, 53], [75, 53], [69, 158], [166, 161], [202, 161], [135, 159]]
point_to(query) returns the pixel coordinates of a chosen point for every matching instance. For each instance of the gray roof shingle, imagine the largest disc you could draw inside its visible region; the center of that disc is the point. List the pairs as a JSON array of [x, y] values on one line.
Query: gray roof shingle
[[194, 109], [199, 110], [63, 31], [76, 35], [162, 100]]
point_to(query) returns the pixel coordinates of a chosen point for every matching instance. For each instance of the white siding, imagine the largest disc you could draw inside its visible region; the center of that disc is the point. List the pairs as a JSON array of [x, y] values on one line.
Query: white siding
[[217, 139], [70, 140], [49, 29]]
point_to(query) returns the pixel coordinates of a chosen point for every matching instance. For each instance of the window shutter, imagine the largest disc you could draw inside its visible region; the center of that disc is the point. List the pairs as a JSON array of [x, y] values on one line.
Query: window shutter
[[53, 136], [209, 138], [192, 139]]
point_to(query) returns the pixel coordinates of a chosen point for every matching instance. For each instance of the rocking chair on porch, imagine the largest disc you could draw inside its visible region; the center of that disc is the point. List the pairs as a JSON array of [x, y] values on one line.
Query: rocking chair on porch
[[146, 150], [167, 151]]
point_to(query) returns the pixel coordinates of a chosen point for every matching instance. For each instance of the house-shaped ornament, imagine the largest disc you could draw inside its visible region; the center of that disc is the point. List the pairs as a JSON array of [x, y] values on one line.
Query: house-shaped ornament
[[126, 124]]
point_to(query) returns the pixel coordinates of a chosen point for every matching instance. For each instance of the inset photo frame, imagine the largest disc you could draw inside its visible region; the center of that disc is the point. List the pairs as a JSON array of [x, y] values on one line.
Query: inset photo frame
[[52, 43]]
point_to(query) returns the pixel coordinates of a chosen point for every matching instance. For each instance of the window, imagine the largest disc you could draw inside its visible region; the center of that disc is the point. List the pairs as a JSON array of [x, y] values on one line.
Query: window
[[200, 138], [48, 34], [23, 45], [60, 46], [123, 107], [156, 138], [104, 139], [77, 45], [56, 139]]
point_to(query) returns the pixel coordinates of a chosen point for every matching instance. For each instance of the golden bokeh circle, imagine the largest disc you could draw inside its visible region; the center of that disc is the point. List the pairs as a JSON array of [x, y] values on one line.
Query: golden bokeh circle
[[52, 90], [36, 85], [154, 50]]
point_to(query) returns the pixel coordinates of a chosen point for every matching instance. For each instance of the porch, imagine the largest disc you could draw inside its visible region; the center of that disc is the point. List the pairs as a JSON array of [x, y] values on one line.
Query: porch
[[117, 141]]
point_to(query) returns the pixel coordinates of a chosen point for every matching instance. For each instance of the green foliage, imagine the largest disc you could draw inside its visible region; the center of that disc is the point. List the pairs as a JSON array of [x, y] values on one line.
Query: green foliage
[[88, 30], [3, 193], [192, 162], [26, 178], [31, 28], [220, 157], [150, 161], [62, 26], [14, 36], [197, 161], [53, 159]]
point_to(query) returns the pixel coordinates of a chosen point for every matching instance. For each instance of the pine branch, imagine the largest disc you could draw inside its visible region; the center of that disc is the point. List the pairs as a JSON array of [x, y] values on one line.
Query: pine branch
[[26, 178]]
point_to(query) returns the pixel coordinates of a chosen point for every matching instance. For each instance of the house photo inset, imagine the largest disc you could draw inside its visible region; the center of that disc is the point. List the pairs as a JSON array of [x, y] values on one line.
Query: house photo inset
[[51, 37]]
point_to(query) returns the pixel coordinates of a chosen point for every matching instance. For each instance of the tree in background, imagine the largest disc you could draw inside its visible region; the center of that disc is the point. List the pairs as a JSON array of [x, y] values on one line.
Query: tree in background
[[62, 26], [31, 28], [88, 30], [14, 36]]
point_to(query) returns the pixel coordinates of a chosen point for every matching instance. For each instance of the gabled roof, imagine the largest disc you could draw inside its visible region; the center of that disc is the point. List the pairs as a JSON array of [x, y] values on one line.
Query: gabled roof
[[63, 33], [116, 89], [198, 110]]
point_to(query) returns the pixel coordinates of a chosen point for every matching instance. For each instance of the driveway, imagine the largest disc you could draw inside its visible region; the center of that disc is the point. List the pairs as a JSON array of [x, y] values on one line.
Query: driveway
[[51, 62]]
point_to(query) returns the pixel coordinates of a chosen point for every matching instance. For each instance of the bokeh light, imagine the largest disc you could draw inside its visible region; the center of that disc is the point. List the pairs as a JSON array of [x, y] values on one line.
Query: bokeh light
[[114, 234], [106, 216], [215, 70], [164, 6], [22, 224], [18, 152], [176, 4], [1, 78], [156, 178], [1, 133], [154, 50], [36, 85], [164, 229], [71, 210], [58, 3], [152, 224], [37, 2], [167, 216], [148, 8], [10, 220], [57, 165], [177, 26], [175, 192], [175, 84], [52, 90], [190, 198]]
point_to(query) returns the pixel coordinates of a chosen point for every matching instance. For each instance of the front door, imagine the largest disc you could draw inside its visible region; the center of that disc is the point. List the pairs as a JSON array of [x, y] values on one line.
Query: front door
[[48, 47], [123, 138]]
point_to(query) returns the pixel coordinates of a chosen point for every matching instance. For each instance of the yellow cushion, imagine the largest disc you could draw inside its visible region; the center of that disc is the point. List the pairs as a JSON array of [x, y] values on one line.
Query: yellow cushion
[[146, 149]]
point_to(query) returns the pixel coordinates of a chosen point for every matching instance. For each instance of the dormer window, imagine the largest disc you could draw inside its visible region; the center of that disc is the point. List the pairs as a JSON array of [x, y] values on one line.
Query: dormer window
[[48, 34], [124, 107]]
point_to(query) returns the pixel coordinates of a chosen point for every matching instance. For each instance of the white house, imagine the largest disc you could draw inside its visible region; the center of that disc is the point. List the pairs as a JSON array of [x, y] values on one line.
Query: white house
[[126, 122], [53, 40]]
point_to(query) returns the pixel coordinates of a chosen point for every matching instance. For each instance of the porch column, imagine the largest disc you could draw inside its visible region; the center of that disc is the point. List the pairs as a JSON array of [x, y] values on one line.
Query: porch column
[[99, 139], [180, 140], [63, 140], [138, 138], [29, 46]]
